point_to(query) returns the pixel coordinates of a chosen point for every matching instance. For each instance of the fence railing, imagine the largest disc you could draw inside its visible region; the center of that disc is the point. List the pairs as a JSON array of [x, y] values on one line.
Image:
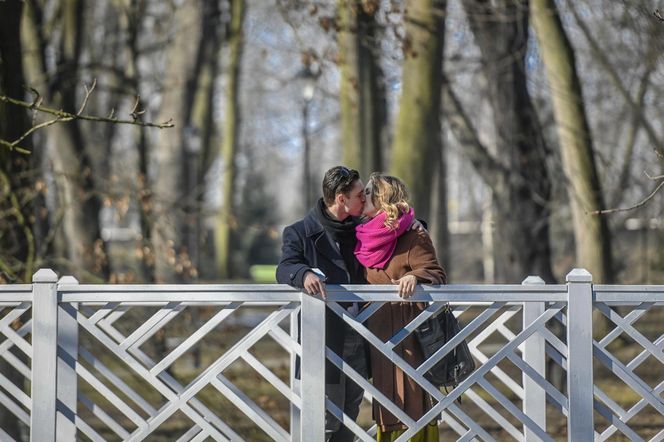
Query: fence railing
[[201, 362]]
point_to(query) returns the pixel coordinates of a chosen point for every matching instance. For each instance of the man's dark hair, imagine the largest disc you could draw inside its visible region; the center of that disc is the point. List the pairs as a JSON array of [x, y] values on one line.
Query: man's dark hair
[[339, 179]]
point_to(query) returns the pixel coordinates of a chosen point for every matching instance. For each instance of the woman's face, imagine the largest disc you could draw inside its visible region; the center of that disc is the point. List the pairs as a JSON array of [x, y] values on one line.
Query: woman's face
[[369, 209]]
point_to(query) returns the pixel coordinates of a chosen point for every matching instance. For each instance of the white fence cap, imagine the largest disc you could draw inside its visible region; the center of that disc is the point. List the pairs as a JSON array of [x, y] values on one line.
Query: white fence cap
[[533, 280], [45, 275], [579, 275]]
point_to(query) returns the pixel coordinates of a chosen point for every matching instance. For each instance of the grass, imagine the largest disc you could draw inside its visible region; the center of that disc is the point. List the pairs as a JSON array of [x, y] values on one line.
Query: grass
[[263, 273]]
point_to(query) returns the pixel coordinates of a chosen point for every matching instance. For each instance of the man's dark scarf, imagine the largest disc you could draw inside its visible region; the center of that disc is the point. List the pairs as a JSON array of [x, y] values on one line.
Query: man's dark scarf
[[343, 233]]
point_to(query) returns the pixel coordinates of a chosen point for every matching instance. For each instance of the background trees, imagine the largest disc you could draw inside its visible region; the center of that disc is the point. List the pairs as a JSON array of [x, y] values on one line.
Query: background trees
[[514, 124], [504, 155]]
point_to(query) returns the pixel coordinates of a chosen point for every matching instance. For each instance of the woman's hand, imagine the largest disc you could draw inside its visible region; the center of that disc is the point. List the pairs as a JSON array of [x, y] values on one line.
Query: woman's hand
[[407, 285], [417, 225]]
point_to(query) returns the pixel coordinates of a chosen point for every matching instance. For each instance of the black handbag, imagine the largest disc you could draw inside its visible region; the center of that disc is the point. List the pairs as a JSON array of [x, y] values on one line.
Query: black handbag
[[457, 364]]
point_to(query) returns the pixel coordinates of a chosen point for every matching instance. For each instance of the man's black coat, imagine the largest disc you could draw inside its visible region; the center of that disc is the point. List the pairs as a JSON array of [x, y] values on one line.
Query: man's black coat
[[306, 245]]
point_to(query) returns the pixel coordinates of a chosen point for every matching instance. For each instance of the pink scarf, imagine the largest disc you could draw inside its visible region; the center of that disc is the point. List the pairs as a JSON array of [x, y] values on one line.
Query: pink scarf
[[376, 242]]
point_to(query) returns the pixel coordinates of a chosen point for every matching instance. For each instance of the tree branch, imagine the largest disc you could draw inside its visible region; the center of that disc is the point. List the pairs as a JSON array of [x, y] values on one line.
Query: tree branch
[[477, 153], [633, 130], [640, 204], [658, 144], [61, 116], [88, 92], [12, 146], [654, 178]]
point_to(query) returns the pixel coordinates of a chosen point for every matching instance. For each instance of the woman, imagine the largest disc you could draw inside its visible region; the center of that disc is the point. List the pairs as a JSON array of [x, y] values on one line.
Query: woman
[[392, 254]]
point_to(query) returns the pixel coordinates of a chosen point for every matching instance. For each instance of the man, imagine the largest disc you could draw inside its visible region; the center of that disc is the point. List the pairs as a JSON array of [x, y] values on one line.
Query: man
[[325, 240]]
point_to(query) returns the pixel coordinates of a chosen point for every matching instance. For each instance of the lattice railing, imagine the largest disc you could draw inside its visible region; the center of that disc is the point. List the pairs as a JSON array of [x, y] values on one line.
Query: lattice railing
[[217, 362], [640, 371], [16, 358], [158, 396], [492, 390]]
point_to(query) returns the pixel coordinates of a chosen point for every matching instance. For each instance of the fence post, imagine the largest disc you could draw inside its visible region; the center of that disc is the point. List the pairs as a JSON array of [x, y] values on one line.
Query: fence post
[[44, 355], [580, 425], [534, 403], [295, 383], [312, 418], [67, 389]]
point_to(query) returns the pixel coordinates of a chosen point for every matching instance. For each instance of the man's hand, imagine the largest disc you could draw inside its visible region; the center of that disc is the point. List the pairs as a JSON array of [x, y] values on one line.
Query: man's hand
[[313, 285], [417, 225], [407, 285]]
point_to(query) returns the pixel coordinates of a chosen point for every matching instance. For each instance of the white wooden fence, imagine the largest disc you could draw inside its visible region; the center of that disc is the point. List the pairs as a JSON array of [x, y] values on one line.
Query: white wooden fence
[[81, 367]]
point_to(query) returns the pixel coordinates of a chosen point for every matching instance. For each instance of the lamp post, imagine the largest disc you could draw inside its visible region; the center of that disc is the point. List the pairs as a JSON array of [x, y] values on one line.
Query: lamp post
[[308, 81]]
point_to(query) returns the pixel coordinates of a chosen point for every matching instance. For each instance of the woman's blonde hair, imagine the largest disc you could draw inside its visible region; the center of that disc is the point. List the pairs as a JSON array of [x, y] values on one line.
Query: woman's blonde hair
[[389, 194]]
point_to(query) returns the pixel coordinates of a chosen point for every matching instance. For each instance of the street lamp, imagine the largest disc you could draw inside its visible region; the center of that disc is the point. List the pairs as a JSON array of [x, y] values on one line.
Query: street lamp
[[308, 81]]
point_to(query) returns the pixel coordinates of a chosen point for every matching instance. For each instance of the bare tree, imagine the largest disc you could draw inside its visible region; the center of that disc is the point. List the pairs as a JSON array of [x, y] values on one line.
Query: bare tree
[[635, 105], [362, 95], [77, 189], [229, 147], [521, 187], [18, 200], [168, 152], [17, 242], [417, 140], [200, 120], [591, 233]]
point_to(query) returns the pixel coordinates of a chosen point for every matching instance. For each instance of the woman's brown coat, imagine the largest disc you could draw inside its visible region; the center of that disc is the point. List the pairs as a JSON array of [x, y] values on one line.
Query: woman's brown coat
[[414, 255]]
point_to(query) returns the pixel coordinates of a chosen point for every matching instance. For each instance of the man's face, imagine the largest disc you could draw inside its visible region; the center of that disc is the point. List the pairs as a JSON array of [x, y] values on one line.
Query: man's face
[[354, 200]]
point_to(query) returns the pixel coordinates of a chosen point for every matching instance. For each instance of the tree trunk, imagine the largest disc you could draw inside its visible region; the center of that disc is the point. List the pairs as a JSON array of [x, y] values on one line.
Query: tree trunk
[[591, 233], [17, 242], [522, 196], [73, 169], [168, 186], [440, 232], [34, 59], [417, 139], [201, 121], [226, 218], [133, 23], [362, 94]]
